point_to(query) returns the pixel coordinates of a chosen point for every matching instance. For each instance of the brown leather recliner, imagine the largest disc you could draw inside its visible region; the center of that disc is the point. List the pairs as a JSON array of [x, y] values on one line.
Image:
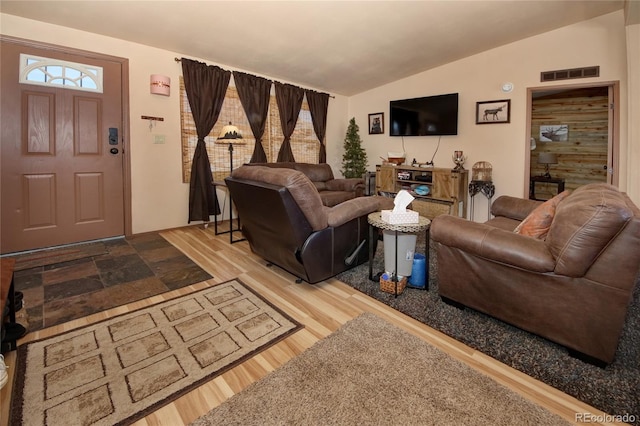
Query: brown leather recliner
[[285, 222], [573, 287]]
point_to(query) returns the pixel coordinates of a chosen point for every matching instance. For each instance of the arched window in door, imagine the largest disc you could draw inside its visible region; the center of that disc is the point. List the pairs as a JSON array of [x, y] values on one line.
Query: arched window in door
[[54, 72]]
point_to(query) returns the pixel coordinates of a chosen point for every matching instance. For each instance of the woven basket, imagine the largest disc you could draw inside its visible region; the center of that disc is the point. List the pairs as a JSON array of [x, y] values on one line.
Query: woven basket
[[388, 286]]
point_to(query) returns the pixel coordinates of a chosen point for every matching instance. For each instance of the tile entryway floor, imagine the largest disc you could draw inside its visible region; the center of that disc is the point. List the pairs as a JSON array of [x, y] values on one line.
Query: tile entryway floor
[[133, 269]]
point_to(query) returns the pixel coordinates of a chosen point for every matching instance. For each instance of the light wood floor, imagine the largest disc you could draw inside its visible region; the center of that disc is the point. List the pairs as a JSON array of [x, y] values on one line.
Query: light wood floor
[[322, 308]]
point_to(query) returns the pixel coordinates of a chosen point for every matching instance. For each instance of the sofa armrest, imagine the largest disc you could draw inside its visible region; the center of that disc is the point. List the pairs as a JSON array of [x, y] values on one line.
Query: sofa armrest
[[356, 207], [513, 208], [492, 243], [348, 184]]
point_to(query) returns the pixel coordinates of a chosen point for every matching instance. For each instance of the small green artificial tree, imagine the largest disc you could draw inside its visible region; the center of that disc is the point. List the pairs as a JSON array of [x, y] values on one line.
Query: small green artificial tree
[[354, 159]]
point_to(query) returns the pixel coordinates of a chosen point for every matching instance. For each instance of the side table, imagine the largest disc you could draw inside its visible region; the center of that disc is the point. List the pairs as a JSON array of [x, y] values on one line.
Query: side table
[[487, 189], [231, 230], [375, 221], [559, 182]]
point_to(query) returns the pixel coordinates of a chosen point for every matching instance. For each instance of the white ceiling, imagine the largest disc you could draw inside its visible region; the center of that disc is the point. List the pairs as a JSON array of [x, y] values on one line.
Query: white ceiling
[[342, 47]]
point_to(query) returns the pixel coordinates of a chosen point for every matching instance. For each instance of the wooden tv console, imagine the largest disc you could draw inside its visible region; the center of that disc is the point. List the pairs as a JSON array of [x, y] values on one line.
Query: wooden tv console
[[448, 189]]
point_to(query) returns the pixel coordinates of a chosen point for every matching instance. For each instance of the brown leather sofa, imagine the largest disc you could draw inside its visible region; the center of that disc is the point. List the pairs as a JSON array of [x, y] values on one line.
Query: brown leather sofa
[[285, 222], [572, 287], [332, 191]]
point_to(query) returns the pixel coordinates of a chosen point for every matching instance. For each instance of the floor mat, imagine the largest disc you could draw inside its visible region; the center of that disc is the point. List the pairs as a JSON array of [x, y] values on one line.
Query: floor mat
[[128, 269]]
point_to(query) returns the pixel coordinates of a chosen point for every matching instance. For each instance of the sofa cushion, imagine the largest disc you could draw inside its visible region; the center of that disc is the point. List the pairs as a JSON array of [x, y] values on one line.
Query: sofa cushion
[[333, 198], [538, 222], [281, 165], [584, 224], [320, 186], [502, 222], [315, 172], [513, 208]]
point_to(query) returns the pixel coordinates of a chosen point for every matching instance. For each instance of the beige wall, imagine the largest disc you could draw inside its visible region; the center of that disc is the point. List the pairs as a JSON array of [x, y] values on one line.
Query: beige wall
[[159, 198], [633, 148], [600, 41]]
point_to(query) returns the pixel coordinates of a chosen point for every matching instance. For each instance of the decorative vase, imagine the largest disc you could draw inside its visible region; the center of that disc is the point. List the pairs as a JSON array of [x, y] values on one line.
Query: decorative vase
[[458, 159]]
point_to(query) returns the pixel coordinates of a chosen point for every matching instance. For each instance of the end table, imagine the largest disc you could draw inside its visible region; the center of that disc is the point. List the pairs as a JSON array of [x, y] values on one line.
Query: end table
[[485, 187], [375, 221]]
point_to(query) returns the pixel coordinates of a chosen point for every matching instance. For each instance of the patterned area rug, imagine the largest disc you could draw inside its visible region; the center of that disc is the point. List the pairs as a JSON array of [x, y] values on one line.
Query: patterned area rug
[[370, 372], [120, 369]]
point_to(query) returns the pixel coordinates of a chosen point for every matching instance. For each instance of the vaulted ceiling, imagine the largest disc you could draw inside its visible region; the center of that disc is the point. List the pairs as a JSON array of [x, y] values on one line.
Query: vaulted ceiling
[[342, 47]]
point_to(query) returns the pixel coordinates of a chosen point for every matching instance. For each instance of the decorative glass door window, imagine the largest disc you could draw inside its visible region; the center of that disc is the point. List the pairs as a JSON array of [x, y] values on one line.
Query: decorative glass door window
[[54, 72]]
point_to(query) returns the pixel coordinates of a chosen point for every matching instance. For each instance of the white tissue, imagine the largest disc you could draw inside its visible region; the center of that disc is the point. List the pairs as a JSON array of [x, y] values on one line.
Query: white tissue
[[400, 214], [402, 200]]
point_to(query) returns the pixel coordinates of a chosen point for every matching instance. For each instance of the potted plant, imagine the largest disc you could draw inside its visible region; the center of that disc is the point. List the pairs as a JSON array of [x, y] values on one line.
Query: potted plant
[[354, 159]]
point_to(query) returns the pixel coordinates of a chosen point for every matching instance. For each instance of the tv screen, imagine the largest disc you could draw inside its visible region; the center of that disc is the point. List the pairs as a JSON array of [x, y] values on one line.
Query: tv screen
[[427, 116]]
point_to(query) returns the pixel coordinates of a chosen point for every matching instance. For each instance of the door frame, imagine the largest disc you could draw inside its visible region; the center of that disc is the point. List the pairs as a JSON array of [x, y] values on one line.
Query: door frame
[[613, 142], [124, 64]]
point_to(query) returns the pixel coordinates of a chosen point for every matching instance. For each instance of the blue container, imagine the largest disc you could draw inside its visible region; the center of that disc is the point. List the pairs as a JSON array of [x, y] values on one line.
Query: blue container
[[418, 276]]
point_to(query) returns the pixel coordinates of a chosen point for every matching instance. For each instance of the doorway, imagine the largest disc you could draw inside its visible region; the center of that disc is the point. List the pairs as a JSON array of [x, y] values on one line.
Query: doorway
[[65, 170], [572, 137]]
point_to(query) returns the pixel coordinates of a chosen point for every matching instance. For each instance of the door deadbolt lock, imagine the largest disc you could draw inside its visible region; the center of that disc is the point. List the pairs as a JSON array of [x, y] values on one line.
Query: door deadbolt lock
[[113, 136], [114, 151]]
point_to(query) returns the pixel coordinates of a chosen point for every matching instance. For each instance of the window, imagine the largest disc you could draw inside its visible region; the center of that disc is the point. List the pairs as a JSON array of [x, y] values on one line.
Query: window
[[304, 142], [54, 72]]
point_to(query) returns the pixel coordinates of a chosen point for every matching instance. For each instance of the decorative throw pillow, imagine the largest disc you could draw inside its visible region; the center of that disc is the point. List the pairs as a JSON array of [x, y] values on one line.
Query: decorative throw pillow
[[538, 222]]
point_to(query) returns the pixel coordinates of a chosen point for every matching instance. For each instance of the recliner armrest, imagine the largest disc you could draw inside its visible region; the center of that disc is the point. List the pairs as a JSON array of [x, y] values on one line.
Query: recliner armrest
[[513, 208], [356, 207], [348, 184], [492, 243]]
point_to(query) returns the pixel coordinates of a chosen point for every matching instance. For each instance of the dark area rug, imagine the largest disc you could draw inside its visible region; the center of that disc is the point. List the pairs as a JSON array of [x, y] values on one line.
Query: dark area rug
[[100, 276], [614, 389]]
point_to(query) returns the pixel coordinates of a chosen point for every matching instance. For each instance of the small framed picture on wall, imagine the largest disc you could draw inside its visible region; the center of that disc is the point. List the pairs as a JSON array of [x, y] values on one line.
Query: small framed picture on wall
[[493, 112], [376, 123]]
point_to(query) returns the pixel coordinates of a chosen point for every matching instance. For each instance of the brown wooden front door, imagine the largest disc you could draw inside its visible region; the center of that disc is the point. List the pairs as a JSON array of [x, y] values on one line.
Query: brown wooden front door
[[62, 173]]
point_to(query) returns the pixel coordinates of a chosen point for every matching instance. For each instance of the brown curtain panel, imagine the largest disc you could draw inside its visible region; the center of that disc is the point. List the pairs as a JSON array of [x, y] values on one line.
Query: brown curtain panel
[[254, 93], [289, 100], [205, 86], [318, 105]]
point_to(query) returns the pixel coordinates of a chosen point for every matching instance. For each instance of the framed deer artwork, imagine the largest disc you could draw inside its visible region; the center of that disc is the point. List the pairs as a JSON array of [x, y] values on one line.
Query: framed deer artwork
[[493, 112]]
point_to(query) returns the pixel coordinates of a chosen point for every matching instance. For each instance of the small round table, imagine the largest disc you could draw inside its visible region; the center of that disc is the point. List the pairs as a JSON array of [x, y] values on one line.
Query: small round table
[[375, 221]]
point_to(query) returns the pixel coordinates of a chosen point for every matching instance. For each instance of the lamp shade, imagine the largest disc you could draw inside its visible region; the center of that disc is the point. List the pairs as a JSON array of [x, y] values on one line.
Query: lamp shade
[[230, 134], [547, 158], [160, 85]]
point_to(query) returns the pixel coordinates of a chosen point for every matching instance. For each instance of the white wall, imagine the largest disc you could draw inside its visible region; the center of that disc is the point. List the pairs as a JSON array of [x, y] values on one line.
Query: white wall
[[600, 41], [159, 198]]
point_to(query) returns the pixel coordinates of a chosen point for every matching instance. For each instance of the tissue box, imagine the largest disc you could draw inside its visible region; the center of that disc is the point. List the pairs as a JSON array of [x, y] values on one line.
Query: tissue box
[[408, 216]]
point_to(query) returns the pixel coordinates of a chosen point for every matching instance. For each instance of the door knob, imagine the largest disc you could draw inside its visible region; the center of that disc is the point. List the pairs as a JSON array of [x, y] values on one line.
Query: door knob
[[114, 151]]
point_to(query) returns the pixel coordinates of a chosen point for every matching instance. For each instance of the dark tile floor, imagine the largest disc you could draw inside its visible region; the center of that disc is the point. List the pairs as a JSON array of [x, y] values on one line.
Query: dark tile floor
[[133, 269]]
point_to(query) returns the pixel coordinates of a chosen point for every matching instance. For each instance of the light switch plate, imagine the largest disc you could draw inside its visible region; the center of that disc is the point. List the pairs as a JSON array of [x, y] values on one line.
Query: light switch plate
[[159, 139]]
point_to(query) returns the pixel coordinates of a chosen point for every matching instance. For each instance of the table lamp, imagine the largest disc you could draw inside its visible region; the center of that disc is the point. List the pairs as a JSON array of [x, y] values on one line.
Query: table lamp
[[230, 135], [547, 158]]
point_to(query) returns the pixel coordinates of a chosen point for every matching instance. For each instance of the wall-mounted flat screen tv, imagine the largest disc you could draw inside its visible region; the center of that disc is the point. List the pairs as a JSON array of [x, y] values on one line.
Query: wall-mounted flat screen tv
[[427, 116]]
